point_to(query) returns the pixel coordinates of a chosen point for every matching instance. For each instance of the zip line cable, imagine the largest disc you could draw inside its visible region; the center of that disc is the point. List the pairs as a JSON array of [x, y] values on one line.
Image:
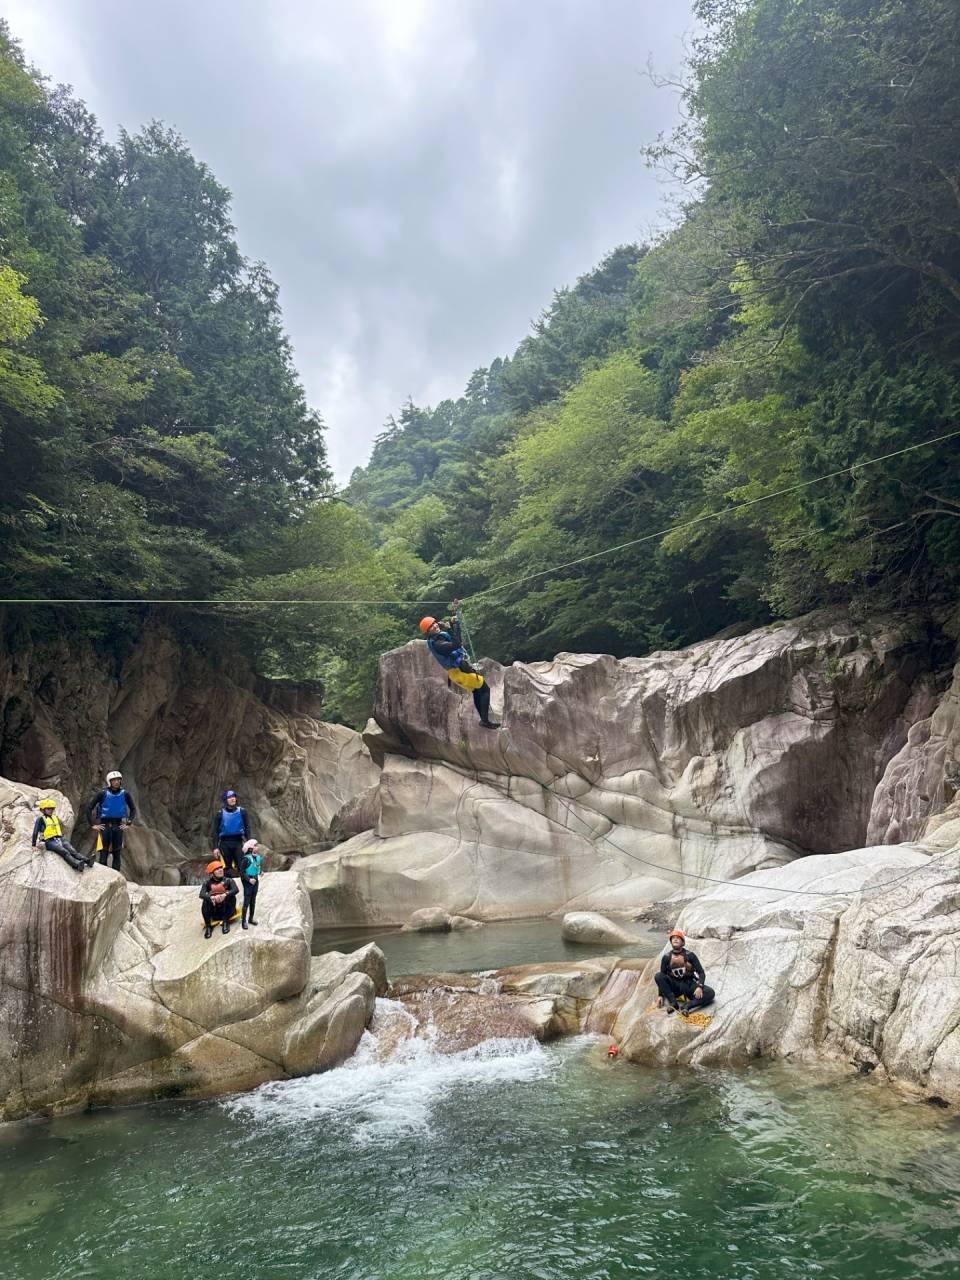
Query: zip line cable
[[714, 515], [529, 577]]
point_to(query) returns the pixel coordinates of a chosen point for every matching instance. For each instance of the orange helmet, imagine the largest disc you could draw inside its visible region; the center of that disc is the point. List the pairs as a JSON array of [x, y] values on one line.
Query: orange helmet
[[426, 624], [678, 933], [214, 866]]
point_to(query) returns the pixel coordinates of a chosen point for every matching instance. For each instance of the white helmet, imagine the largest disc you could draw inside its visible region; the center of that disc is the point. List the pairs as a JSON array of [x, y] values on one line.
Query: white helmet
[[114, 773]]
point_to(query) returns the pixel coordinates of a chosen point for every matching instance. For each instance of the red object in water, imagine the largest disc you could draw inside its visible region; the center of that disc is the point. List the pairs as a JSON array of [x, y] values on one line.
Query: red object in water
[[612, 1051]]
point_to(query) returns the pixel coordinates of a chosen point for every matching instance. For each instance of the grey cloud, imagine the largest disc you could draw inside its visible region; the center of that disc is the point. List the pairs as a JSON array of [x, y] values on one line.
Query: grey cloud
[[419, 175]]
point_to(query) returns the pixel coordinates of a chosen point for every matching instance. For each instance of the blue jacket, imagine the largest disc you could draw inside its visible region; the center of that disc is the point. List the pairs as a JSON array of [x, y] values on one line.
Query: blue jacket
[[447, 647]]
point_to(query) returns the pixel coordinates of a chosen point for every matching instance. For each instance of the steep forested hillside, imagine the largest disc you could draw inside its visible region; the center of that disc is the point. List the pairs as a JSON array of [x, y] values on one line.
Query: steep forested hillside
[[154, 437], [803, 317]]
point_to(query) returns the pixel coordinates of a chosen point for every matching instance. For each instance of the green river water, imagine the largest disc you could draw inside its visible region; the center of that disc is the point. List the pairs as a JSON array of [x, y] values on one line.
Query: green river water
[[513, 1160]]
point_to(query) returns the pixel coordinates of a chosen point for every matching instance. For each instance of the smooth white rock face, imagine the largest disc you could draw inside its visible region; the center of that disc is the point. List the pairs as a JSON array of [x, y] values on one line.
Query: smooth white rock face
[[109, 992], [849, 957], [613, 784]]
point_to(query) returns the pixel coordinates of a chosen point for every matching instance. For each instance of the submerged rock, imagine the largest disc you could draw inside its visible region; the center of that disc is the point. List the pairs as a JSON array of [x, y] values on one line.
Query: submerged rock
[[591, 929], [428, 920]]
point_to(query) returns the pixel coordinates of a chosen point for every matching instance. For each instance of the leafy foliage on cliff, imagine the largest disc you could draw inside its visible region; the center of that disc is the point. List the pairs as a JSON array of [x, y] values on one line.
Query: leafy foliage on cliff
[[804, 316], [154, 437]]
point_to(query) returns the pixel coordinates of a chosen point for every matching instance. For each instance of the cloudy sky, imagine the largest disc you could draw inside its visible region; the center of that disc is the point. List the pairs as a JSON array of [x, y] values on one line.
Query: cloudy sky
[[419, 175]]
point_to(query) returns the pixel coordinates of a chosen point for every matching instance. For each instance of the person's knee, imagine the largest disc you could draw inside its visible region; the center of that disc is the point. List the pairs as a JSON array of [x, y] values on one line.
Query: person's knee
[[708, 995], [663, 983]]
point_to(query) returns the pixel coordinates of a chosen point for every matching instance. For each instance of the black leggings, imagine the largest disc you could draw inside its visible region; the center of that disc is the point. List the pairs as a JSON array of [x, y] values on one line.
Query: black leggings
[[222, 911], [481, 700], [66, 851], [230, 847], [670, 987], [250, 890], [111, 839]]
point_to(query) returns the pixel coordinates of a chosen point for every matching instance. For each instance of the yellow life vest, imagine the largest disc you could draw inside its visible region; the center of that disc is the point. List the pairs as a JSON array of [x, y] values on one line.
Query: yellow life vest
[[52, 828], [465, 679]]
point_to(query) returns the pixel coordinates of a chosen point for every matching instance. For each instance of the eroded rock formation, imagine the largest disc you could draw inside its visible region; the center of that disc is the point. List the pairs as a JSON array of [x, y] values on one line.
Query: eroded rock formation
[[109, 992], [615, 783], [180, 731], [850, 957]]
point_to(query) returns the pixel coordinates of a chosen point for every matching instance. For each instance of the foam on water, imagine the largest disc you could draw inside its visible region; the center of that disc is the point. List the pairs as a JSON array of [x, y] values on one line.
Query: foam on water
[[371, 1100]]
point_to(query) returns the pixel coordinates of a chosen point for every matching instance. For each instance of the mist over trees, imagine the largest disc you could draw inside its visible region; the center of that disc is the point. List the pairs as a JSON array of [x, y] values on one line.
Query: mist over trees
[[801, 317]]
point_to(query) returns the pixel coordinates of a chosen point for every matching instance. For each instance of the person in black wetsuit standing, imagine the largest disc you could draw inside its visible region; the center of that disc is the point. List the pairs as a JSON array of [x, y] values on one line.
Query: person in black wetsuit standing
[[681, 974], [230, 830], [446, 644], [114, 810]]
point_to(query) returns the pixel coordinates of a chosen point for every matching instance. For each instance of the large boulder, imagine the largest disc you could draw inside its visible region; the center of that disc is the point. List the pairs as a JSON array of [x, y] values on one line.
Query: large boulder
[[109, 993], [589, 928], [849, 958], [617, 783]]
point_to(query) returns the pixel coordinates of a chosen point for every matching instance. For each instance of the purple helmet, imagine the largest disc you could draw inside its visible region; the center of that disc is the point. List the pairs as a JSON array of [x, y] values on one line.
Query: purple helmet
[[228, 794]]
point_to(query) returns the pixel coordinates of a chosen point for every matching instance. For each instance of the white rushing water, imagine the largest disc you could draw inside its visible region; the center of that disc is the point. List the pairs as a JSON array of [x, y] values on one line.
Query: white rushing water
[[393, 1084]]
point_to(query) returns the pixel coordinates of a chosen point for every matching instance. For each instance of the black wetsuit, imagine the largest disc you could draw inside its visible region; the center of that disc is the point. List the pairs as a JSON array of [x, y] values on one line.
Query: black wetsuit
[[230, 843], [681, 978], [59, 844], [251, 887], [223, 909], [445, 645], [111, 837]]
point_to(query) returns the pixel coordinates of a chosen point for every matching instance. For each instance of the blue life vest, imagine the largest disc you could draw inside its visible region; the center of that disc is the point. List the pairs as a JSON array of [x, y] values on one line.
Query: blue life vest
[[231, 822], [447, 660], [114, 805], [251, 865]]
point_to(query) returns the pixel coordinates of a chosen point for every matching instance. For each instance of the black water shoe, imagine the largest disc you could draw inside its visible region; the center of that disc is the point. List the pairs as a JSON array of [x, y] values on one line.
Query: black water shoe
[[208, 932], [489, 724], [243, 924], [226, 926], [252, 921]]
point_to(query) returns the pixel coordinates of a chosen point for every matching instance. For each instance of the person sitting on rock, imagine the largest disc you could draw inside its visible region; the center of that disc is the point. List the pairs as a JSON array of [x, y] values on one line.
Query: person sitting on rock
[[114, 810], [48, 829], [446, 644], [230, 830], [218, 899], [681, 974], [250, 879]]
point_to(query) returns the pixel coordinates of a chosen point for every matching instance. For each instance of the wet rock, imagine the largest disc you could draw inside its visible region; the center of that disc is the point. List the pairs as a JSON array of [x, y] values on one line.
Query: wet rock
[[428, 920], [459, 923], [591, 929]]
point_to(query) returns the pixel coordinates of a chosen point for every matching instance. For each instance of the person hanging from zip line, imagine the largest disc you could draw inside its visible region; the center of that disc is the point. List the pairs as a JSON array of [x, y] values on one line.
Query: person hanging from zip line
[[681, 974], [230, 830], [47, 829], [114, 810], [446, 644]]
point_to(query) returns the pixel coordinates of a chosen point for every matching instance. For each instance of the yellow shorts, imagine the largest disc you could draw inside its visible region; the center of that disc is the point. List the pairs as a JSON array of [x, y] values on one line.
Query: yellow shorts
[[466, 679]]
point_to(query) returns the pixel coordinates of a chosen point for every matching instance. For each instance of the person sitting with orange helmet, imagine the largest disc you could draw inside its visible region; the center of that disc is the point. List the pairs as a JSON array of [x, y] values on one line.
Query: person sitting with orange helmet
[[218, 899], [681, 974], [446, 644]]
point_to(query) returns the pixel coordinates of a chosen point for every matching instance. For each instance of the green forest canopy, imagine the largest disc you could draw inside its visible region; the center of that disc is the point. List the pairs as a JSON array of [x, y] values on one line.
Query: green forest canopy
[[802, 315]]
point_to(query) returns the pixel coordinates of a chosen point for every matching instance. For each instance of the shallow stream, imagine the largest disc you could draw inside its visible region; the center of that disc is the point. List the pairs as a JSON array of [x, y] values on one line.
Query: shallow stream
[[509, 1161]]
